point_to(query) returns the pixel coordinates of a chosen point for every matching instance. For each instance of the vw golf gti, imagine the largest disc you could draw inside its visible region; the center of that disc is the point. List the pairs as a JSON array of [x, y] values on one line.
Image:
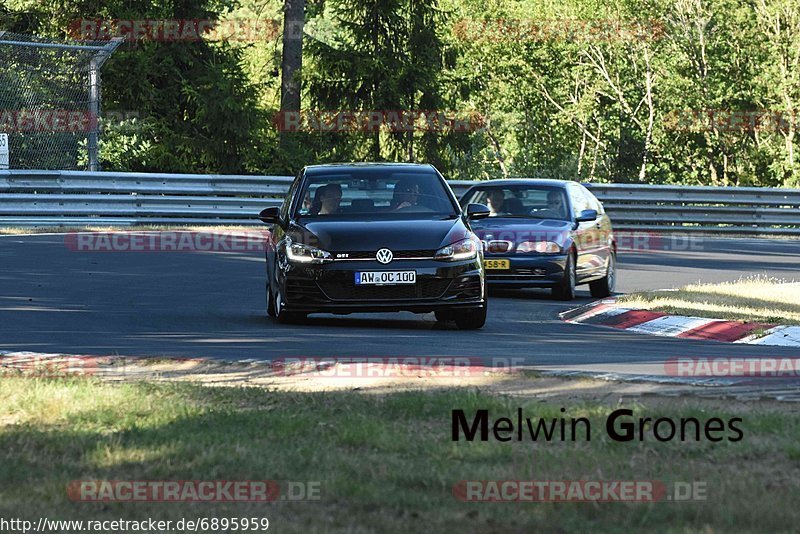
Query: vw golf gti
[[352, 238]]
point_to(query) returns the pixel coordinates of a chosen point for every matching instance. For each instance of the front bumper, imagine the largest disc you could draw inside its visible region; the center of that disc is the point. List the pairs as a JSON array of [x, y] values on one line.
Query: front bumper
[[330, 288], [527, 270]]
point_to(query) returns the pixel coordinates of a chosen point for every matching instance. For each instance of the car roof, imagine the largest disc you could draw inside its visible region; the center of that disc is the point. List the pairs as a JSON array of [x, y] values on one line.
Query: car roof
[[339, 167], [524, 182]]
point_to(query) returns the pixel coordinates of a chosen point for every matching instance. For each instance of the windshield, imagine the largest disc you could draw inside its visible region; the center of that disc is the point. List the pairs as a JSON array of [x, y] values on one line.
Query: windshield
[[369, 193], [530, 202]]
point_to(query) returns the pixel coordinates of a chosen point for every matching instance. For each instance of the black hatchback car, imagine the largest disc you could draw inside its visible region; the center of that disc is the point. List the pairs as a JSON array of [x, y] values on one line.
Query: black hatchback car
[[353, 238], [545, 233]]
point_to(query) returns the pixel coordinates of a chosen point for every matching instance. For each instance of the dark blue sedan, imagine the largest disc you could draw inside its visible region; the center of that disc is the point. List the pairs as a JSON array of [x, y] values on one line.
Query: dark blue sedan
[[545, 233]]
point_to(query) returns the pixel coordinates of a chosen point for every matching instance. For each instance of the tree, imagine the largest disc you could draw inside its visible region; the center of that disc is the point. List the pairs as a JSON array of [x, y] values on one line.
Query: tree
[[385, 56], [781, 77], [292, 58], [197, 109]]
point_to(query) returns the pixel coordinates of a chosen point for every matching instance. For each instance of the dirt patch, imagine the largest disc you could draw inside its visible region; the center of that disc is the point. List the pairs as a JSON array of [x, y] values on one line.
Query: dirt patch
[[386, 378]]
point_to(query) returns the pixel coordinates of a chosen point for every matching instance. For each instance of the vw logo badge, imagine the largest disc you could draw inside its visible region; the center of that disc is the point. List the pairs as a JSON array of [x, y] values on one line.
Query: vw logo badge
[[384, 256]]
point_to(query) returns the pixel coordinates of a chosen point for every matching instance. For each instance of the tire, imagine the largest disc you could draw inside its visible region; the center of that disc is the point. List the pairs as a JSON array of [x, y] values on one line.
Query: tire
[[605, 286], [472, 319], [281, 314], [443, 316], [270, 302], [565, 290]]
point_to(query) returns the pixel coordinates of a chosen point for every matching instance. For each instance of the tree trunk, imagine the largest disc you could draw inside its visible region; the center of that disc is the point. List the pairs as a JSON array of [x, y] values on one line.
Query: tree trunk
[[648, 136], [294, 14]]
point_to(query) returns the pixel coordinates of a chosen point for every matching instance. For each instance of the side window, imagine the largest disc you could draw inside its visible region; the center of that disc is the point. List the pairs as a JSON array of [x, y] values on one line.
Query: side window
[[578, 200], [287, 202], [593, 202]]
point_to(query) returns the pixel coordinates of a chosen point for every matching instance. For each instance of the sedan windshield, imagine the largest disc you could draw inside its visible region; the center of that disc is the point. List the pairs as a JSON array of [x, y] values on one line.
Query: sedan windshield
[[519, 201], [373, 192]]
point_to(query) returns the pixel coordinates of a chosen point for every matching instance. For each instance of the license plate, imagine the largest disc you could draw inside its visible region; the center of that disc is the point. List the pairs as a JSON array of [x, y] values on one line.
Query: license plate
[[385, 278], [496, 264]]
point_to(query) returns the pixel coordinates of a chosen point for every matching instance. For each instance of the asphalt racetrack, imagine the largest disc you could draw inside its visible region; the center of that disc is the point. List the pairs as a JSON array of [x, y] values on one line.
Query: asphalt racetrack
[[211, 304]]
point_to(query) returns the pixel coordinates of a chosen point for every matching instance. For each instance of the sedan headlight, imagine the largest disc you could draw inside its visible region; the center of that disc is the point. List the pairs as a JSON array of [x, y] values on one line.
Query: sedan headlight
[[542, 247], [299, 253], [466, 249]]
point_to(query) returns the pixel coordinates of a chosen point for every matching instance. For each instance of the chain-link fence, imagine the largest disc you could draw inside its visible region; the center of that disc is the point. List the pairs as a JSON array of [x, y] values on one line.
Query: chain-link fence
[[50, 101]]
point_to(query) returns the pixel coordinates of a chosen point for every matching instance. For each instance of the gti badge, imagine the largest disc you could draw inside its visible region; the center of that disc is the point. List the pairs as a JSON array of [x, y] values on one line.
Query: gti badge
[[384, 256]]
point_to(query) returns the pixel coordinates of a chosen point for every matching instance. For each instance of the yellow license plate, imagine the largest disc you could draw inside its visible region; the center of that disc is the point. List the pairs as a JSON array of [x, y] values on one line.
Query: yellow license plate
[[496, 264]]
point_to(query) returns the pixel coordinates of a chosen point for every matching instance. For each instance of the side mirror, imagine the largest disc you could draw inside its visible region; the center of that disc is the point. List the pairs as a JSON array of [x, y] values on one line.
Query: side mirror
[[586, 216], [477, 211], [270, 215]]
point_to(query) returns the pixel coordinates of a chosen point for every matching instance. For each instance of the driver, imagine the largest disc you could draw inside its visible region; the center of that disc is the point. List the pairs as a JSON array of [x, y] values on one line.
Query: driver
[[330, 197], [555, 202]]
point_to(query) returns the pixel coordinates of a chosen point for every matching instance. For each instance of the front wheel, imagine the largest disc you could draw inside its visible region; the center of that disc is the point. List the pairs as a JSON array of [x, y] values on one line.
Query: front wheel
[[270, 302], [472, 319], [281, 314], [605, 286], [565, 290]]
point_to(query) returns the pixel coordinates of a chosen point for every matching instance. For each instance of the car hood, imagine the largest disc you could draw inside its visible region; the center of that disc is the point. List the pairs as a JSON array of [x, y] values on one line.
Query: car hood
[[519, 230], [369, 236]]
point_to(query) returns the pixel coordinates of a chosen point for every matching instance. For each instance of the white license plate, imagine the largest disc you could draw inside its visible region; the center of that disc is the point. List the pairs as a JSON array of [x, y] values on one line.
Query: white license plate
[[385, 278]]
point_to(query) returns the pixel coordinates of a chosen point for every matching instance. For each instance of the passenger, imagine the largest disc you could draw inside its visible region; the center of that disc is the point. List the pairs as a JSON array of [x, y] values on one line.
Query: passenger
[[496, 199], [406, 194]]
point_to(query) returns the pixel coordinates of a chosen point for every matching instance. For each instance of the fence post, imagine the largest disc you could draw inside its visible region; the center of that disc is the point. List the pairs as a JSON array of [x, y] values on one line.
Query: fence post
[[94, 101], [94, 114]]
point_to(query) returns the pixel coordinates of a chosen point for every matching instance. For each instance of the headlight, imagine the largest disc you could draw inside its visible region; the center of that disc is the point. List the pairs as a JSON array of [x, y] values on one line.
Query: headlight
[[543, 247], [466, 249], [299, 253]]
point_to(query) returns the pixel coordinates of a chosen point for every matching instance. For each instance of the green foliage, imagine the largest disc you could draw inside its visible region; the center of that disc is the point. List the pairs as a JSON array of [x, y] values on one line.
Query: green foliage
[[199, 109], [383, 55], [621, 90]]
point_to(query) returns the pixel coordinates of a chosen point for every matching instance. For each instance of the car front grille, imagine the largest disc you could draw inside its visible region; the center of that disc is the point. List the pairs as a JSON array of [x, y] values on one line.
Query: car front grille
[[539, 271], [398, 254], [425, 288]]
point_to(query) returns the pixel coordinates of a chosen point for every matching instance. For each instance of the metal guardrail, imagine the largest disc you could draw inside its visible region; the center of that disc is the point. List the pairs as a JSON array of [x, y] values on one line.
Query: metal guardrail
[[66, 198], [742, 210]]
